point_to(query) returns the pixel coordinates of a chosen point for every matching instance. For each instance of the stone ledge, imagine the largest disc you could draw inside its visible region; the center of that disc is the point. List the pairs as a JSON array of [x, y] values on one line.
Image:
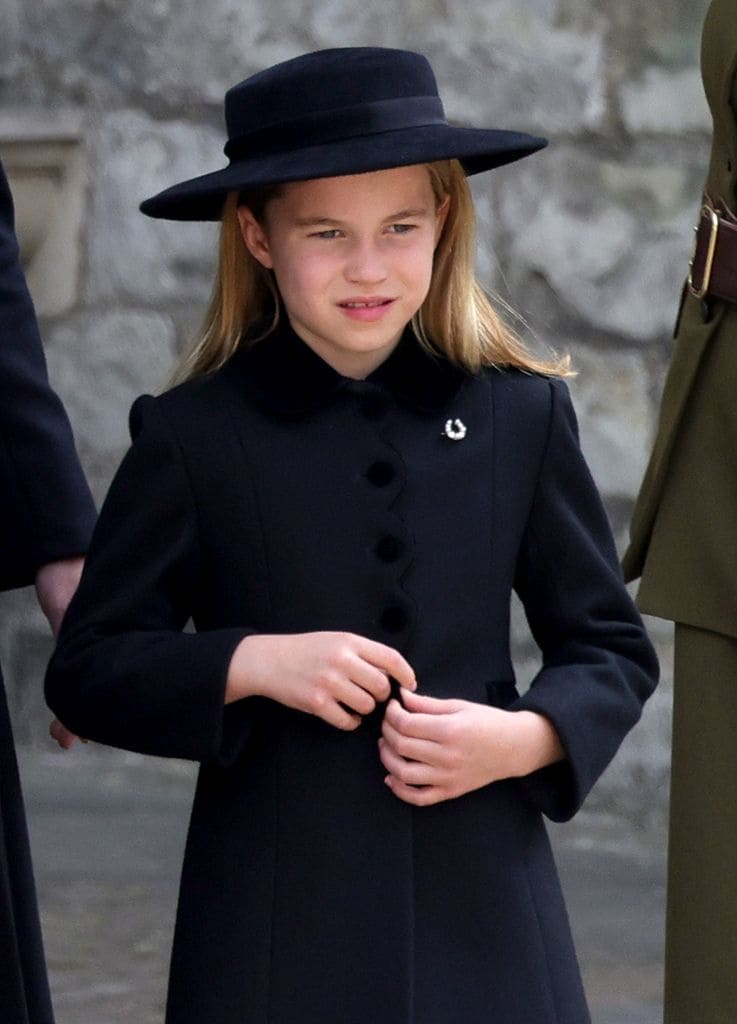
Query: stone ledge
[[46, 167]]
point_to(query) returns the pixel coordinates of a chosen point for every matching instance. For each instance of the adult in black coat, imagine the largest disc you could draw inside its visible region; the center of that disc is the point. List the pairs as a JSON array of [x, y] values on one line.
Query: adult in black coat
[[46, 519]]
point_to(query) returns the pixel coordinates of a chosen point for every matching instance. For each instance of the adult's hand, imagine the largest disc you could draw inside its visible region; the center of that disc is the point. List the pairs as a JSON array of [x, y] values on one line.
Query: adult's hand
[[63, 736], [56, 583]]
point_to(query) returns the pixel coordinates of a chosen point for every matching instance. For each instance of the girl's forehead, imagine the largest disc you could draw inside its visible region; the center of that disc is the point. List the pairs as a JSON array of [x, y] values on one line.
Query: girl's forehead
[[391, 186]]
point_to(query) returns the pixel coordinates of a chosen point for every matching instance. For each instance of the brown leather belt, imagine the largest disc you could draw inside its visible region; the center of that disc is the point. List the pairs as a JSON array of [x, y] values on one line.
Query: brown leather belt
[[714, 262]]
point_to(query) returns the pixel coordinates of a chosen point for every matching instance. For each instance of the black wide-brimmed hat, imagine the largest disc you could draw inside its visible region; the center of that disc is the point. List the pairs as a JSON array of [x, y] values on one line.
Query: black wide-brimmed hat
[[336, 112]]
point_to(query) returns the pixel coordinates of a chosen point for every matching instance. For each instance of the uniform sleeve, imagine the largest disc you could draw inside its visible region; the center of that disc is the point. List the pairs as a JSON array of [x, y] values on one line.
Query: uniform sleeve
[[124, 672], [598, 666], [46, 511]]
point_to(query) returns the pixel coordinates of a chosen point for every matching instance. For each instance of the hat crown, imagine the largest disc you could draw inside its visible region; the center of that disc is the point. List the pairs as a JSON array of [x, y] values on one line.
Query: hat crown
[[347, 110], [326, 80]]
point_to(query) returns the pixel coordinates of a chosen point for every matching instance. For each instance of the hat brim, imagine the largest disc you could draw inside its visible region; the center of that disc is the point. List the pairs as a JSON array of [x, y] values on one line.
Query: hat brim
[[477, 149]]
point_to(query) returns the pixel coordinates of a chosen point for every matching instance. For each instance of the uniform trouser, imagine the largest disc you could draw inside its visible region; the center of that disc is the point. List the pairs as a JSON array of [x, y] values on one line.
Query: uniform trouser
[[701, 924]]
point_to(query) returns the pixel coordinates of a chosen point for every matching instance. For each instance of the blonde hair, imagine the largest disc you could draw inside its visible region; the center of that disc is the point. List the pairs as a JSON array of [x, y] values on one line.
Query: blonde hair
[[457, 318]]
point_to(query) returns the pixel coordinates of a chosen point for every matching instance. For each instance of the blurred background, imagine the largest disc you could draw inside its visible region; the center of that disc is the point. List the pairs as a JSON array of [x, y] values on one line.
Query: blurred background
[[104, 102]]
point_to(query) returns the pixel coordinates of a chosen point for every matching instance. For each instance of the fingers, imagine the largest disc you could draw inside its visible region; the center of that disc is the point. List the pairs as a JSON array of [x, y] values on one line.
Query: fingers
[[368, 678], [335, 702], [340, 717], [62, 735], [416, 724], [427, 751], [354, 697], [419, 796], [336, 676], [419, 749], [420, 702], [412, 773], [390, 661], [358, 680]]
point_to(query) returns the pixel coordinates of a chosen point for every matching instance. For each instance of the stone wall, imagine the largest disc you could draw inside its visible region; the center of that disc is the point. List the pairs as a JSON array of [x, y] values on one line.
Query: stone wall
[[588, 241]]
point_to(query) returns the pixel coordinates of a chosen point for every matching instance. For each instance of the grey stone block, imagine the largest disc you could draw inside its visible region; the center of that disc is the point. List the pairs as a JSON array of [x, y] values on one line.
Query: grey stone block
[[607, 262], [648, 103], [611, 396], [99, 363], [133, 258]]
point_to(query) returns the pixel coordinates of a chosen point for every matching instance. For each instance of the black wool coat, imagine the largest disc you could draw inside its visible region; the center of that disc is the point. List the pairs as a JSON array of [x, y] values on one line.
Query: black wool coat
[[277, 496], [46, 514]]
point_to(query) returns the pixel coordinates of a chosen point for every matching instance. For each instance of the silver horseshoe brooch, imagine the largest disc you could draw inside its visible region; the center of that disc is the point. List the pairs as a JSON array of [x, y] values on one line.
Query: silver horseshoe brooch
[[455, 429]]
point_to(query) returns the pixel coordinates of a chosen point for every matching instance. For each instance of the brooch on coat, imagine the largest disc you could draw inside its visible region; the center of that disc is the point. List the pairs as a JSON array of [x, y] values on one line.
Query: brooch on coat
[[455, 429]]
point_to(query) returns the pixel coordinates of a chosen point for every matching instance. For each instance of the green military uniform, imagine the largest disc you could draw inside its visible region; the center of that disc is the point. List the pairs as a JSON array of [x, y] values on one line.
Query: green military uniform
[[684, 545]]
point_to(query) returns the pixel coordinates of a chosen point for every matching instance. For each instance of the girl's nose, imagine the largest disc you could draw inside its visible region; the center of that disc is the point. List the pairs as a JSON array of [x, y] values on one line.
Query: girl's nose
[[365, 264]]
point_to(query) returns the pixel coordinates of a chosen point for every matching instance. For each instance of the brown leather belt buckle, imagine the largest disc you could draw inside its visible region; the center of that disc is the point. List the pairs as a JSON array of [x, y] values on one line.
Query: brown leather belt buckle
[[700, 290]]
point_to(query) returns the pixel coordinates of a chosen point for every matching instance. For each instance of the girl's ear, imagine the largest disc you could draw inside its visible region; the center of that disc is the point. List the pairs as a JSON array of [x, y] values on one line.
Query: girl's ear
[[255, 237], [441, 215]]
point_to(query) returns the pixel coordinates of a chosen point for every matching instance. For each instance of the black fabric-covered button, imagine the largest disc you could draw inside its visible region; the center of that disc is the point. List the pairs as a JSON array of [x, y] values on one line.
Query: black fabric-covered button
[[389, 548], [380, 473], [393, 618]]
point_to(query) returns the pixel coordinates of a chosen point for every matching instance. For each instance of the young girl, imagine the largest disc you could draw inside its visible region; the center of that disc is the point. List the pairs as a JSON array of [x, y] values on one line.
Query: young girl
[[360, 467]]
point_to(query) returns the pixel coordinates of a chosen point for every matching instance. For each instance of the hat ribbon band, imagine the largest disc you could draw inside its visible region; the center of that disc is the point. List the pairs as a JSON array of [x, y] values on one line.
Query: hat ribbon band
[[337, 125]]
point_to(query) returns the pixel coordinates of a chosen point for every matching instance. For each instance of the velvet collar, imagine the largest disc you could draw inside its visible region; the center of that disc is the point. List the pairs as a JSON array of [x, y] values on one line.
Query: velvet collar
[[284, 376]]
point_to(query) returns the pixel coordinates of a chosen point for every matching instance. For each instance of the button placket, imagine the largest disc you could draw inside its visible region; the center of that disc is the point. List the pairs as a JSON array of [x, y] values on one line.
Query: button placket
[[389, 547], [394, 618]]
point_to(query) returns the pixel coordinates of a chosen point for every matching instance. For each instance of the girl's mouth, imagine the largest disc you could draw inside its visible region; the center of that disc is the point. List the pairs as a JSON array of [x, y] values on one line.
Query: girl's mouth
[[367, 310]]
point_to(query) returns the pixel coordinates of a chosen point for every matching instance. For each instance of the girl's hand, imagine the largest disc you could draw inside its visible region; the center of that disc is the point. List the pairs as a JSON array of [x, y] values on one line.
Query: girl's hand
[[436, 749], [337, 676]]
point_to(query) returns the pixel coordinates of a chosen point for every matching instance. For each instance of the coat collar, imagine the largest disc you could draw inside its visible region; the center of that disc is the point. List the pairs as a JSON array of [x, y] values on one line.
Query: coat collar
[[285, 376]]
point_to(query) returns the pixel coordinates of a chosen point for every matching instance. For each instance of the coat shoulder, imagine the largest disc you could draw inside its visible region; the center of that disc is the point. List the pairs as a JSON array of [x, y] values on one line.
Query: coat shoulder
[[186, 410], [524, 385], [526, 401]]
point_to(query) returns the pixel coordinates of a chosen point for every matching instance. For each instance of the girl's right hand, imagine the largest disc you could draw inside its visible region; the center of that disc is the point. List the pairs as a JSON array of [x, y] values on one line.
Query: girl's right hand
[[337, 676]]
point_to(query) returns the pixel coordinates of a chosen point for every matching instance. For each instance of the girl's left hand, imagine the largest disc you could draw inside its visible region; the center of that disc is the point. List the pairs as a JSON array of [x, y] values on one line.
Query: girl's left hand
[[437, 750]]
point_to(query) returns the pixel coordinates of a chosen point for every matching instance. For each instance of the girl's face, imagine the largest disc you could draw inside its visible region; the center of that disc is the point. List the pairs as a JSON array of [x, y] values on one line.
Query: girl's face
[[352, 257]]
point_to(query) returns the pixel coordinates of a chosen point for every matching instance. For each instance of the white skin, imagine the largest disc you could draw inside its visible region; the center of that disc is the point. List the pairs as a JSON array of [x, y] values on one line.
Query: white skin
[[56, 583], [352, 257]]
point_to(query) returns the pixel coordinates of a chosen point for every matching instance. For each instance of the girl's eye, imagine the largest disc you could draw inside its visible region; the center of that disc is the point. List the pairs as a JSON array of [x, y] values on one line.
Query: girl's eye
[[401, 229]]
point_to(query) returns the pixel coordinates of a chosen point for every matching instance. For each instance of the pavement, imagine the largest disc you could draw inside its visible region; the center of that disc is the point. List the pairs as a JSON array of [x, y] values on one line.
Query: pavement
[[107, 832]]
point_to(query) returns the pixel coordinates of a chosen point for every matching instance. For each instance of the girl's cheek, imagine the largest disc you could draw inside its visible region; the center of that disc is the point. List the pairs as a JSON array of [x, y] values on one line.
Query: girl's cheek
[[314, 260]]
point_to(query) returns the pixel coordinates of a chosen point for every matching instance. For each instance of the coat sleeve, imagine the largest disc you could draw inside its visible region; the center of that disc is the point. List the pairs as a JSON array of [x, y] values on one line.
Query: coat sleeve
[[46, 511], [125, 672], [598, 666]]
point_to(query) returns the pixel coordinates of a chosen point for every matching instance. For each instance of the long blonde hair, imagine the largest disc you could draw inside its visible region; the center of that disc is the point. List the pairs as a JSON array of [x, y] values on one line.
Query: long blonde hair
[[457, 318]]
